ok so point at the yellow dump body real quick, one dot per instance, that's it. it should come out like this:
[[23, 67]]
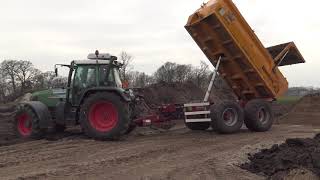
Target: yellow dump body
[[247, 66]]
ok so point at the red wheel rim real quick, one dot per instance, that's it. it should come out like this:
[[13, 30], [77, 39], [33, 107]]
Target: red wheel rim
[[103, 116], [24, 124]]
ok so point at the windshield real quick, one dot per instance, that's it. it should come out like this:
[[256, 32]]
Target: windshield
[[85, 77]]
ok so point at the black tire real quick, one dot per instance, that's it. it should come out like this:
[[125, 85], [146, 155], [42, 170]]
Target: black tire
[[34, 132], [258, 115], [131, 128], [120, 122], [227, 117], [59, 128], [198, 126]]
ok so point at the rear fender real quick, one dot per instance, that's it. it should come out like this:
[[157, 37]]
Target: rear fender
[[116, 91], [42, 112]]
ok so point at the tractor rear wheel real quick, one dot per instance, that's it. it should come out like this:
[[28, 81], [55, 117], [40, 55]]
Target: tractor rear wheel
[[26, 124], [258, 115], [104, 116], [198, 126], [227, 117]]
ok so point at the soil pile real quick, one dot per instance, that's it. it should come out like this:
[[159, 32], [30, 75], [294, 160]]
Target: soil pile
[[296, 174], [293, 154], [281, 109], [6, 127], [180, 93], [7, 112], [168, 93], [306, 111]]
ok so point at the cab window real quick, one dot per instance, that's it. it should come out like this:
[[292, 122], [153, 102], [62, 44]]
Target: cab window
[[105, 78], [85, 77]]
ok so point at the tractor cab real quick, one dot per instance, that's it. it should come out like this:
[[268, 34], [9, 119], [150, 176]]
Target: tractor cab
[[98, 71]]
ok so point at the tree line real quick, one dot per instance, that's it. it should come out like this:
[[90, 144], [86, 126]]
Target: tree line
[[169, 72], [18, 77]]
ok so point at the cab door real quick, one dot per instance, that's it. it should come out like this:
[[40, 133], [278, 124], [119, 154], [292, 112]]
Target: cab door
[[85, 78]]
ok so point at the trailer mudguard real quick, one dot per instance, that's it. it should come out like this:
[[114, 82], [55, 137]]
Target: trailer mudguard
[[41, 111]]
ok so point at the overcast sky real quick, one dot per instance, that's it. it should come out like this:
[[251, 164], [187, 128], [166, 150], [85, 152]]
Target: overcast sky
[[57, 31]]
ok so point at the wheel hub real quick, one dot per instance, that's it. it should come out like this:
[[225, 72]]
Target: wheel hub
[[230, 116], [24, 124], [103, 116], [263, 116]]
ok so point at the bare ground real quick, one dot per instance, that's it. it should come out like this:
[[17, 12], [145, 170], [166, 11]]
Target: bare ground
[[178, 154], [149, 154]]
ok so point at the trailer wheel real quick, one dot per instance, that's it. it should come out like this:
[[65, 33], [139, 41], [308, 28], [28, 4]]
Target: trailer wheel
[[227, 117], [104, 116], [258, 115], [198, 126], [26, 124]]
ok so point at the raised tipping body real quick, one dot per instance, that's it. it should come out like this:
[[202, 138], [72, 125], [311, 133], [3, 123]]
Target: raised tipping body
[[247, 66]]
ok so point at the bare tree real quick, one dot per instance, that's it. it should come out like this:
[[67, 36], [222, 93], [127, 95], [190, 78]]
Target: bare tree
[[139, 79], [9, 68], [44, 80], [201, 74], [166, 73], [25, 74], [183, 73], [126, 59], [3, 88]]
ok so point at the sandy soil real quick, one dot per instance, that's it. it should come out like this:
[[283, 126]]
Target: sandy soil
[[178, 154], [149, 154]]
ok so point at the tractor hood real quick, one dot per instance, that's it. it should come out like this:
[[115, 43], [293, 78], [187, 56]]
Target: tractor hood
[[49, 97]]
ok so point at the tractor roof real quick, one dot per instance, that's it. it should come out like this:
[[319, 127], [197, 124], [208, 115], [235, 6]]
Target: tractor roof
[[103, 59], [97, 62], [91, 62]]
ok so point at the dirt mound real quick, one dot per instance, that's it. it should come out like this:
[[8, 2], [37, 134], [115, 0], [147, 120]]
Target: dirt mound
[[306, 111], [281, 109], [6, 108], [180, 93], [7, 135], [293, 154], [7, 112], [167, 93], [295, 174]]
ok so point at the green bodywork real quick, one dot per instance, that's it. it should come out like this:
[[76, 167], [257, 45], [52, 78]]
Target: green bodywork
[[49, 97]]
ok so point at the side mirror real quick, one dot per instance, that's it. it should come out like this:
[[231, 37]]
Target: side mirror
[[56, 71]]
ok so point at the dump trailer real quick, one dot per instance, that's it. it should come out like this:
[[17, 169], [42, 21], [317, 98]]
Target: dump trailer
[[250, 69]]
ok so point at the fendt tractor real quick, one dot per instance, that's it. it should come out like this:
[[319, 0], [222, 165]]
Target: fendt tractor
[[95, 99]]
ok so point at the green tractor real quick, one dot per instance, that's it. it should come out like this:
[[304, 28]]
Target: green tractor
[[93, 98]]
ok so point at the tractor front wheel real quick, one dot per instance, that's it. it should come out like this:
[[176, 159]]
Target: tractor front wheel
[[26, 124], [104, 116]]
